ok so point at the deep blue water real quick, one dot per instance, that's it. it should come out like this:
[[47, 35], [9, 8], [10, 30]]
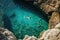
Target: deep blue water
[[23, 19]]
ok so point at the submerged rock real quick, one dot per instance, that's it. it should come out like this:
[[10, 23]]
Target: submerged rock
[[5, 34]]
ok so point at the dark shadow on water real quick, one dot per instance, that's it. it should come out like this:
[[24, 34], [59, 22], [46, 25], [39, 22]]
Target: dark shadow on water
[[7, 23]]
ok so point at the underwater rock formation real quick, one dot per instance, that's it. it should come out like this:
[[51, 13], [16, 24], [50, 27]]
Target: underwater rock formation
[[54, 20], [5, 34]]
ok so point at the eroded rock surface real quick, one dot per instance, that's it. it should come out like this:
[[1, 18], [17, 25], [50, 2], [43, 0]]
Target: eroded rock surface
[[6, 35], [30, 38], [51, 34], [50, 5], [54, 20]]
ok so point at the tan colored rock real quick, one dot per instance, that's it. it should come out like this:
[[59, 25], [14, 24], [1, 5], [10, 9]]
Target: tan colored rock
[[50, 5], [54, 20], [7, 35], [57, 26], [30, 38], [51, 34]]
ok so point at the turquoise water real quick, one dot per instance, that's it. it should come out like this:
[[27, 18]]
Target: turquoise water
[[27, 23], [24, 20]]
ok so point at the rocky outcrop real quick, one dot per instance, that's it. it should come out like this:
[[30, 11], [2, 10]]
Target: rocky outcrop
[[51, 34], [54, 20], [57, 26], [30, 38], [6, 35], [50, 5]]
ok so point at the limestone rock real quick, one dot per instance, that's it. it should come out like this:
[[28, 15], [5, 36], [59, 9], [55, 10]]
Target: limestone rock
[[57, 26], [6, 35], [54, 20], [30, 38], [51, 34], [50, 5]]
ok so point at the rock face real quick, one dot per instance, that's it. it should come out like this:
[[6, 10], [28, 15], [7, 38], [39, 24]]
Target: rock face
[[58, 26], [51, 5], [51, 34], [30, 38], [55, 19], [6, 35]]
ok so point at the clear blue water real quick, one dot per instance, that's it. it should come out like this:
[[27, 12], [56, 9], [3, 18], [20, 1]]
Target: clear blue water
[[22, 20]]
